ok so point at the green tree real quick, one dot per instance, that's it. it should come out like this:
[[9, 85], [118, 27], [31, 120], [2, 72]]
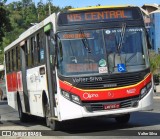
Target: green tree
[[66, 8], [30, 15], [5, 25], [154, 61], [41, 11], [26, 3], [19, 15]]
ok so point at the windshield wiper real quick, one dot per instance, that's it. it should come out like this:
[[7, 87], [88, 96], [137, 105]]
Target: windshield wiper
[[121, 41], [85, 41]]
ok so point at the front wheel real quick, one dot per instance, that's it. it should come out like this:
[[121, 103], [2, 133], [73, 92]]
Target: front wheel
[[53, 124], [123, 119]]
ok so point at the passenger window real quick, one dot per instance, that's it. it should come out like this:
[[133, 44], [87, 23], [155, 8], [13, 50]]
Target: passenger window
[[42, 46], [38, 48], [32, 50]]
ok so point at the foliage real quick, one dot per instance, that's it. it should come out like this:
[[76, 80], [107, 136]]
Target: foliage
[[154, 61], [4, 23], [17, 17]]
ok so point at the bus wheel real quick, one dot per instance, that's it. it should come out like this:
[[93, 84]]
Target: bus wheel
[[47, 114], [123, 119], [22, 116], [53, 124]]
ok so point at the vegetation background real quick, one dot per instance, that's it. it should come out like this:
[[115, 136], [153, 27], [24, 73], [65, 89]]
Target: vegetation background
[[17, 17]]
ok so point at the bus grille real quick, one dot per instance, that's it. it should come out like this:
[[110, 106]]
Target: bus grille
[[113, 81], [125, 103]]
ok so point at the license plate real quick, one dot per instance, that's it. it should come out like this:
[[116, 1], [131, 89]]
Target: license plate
[[111, 106]]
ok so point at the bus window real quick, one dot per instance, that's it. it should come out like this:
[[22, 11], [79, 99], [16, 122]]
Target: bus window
[[29, 62], [9, 65], [42, 46], [14, 60], [35, 51], [32, 50], [18, 57], [6, 61], [38, 48], [12, 64]]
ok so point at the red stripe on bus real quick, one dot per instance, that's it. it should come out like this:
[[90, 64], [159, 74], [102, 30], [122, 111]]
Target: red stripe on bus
[[14, 82], [106, 94]]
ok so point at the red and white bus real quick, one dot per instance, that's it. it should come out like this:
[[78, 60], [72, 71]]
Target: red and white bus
[[81, 63]]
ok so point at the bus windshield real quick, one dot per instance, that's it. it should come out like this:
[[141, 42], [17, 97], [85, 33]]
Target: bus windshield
[[100, 51]]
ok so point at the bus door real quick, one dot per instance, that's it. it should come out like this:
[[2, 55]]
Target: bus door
[[23, 50], [50, 54]]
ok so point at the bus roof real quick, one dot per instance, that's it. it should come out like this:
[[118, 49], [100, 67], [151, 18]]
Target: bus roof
[[100, 7], [31, 30]]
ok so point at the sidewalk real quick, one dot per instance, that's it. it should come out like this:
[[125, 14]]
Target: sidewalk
[[157, 93], [3, 102]]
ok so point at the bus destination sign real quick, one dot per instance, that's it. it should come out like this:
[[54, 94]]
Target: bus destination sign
[[97, 16], [100, 15]]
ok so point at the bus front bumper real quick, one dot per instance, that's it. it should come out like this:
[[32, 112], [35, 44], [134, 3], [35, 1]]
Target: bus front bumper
[[69, 110]]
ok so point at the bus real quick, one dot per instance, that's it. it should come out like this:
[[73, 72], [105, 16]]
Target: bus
[[84, 62], [3, 94]]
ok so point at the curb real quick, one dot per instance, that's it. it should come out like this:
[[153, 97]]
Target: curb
[[3, 102]]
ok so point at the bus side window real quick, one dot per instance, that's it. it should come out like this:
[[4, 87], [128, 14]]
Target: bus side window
[[42, 46], [32, 51], [35, 52], [29, 62], [26, 53], [12, 53], [18, 57], [38, 49], [14, 60], [11, 63], [6, 61]]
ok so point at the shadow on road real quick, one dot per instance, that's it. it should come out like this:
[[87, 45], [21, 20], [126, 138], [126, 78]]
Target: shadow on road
[[91, 125], [88, 125]]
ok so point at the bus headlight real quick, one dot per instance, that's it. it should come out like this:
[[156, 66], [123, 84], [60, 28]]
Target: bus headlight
[[146, 89], [65, 94], [75, 99], [72, 97]]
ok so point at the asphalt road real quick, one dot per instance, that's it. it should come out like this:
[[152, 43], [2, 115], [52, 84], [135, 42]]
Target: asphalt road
[[98, 126]]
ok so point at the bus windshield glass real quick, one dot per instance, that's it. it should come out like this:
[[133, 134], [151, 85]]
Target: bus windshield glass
[[101, 51]]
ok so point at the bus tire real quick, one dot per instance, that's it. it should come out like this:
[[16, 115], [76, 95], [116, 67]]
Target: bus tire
[[22, 116], [47, 114], [123, 119], [53, 124]]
